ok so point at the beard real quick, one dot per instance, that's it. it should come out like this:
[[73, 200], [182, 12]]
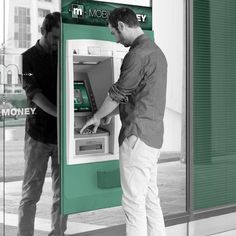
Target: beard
[[123, 41]]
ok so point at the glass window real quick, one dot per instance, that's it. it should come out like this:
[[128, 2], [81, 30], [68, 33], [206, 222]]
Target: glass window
[[27, 20], [16, 19], [214, 110], [43, 12], [20, 25], [16, 36], [9, 77], [25, 29], [22, 22]]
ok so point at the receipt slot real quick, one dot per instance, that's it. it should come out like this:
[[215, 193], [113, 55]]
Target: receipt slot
[[90, 64]]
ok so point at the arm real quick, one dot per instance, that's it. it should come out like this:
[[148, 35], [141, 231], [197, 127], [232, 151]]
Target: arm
[[107, 107], [114, 112], [42, 102], [32, 88], [107, 119], [129, 79]]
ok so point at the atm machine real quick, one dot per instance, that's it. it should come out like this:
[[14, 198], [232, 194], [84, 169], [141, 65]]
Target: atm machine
[[92, 67], [90, 64]]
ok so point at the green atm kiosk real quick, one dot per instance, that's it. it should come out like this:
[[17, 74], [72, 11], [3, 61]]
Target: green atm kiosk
[[90, 64]]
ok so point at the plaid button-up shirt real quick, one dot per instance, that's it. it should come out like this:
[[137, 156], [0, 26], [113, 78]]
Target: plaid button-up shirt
[[141, 92]]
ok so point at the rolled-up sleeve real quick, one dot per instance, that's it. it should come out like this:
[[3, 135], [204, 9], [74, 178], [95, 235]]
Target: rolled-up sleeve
[[130, 77], [30, 84]]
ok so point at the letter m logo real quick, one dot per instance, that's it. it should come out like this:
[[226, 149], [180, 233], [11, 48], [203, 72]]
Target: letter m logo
[[77, 10]]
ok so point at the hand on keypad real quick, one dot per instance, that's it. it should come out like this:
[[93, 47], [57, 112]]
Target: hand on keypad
[[87, 131], [94, 121]]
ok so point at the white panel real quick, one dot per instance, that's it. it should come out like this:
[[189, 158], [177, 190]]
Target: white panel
[[94, 51], [169, 31], [177, 230], [145, 3], [172, 134], [213, 225], [228, 233]]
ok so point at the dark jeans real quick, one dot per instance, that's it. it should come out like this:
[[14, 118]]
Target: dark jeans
[[36, 160]]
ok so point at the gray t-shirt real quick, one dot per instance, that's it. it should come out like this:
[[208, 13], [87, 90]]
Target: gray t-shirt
[[141, 92]]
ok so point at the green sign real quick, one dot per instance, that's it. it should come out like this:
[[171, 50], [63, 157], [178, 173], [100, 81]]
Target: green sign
[[96, 13], [77, 11]]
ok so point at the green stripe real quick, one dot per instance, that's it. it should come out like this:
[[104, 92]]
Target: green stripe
[[214, 109]]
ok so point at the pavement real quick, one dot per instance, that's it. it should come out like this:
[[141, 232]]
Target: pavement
[[171, 179], [172, 193]]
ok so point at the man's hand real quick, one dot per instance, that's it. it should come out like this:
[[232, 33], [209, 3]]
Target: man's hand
[[93, 121], [107, 107], [41, 101]]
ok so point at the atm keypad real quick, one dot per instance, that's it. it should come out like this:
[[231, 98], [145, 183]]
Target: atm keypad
[[87, 131]]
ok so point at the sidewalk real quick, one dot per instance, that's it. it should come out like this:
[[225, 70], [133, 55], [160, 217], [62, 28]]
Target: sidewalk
[[172, 191], [42, 222], [104, 222]]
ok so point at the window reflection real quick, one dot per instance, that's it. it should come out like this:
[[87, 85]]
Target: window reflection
[[214, 104], [24, 24], [22, 36]]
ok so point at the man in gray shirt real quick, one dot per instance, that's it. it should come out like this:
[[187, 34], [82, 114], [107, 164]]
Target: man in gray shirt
[[139, 97]]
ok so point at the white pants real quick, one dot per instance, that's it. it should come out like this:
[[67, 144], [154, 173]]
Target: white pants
[[140, 201]]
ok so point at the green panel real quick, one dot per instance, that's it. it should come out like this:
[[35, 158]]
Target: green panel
[[108, 179], [81, 191], [84, 187], [70, 31], [96, 13], [214, 110]]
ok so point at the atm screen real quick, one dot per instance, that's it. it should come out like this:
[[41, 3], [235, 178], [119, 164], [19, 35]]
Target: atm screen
[[81, 97]]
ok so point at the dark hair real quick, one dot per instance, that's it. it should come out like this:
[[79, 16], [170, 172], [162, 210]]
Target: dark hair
[[51, 20], [125, 15]]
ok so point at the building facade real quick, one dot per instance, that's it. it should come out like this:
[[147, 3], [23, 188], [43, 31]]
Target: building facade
[[20, 30]]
